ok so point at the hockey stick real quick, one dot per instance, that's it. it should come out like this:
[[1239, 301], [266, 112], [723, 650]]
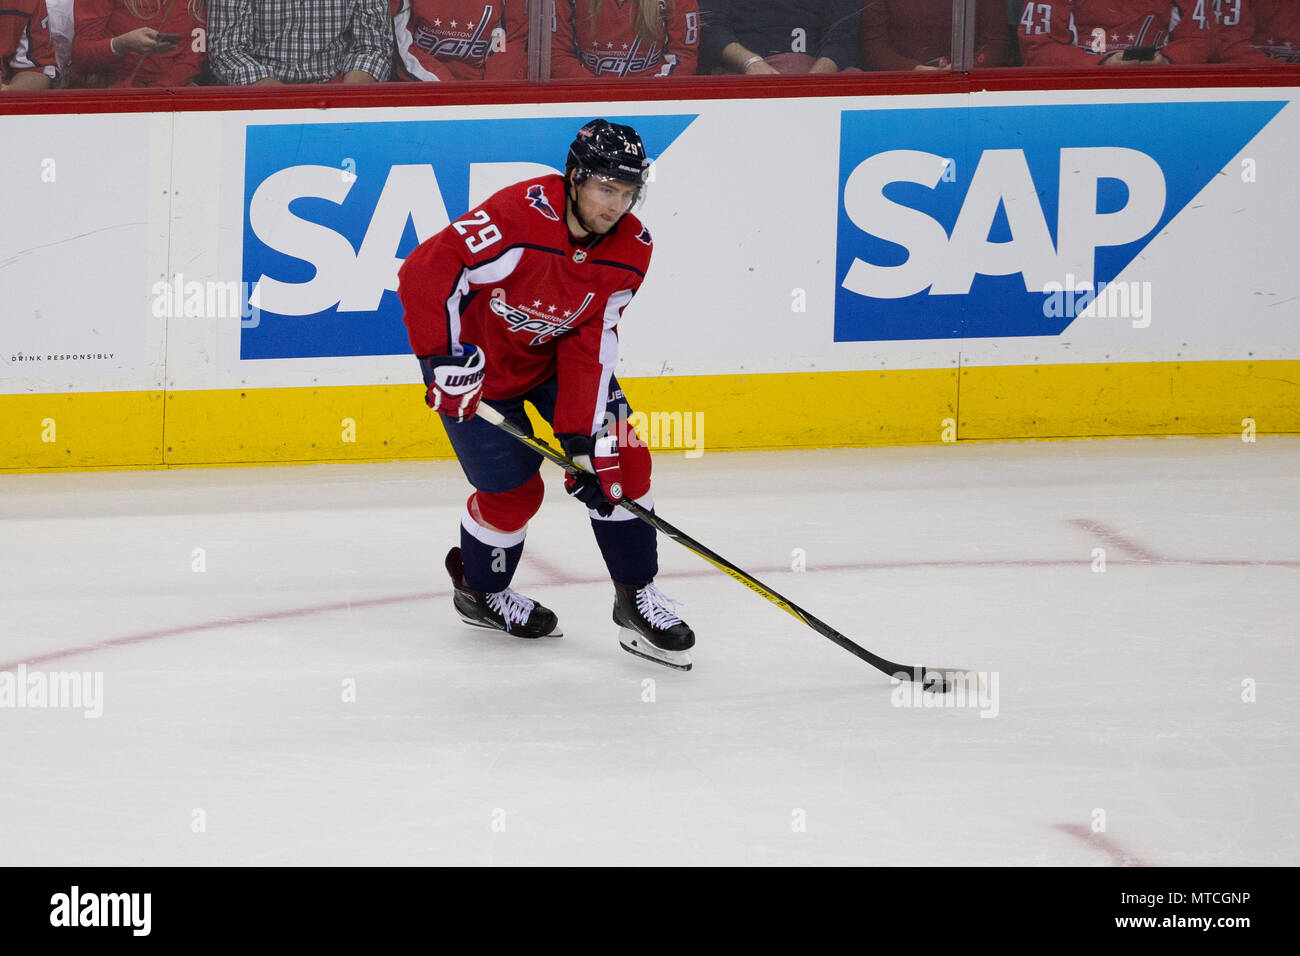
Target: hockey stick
[[935, 679]]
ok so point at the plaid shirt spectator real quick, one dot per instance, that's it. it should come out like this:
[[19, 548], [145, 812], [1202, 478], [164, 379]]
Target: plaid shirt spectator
[[298, 41]]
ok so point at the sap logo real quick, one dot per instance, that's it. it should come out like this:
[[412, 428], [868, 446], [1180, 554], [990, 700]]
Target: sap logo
[[962, 222], [943, 264], [353, 280], [331, 210]]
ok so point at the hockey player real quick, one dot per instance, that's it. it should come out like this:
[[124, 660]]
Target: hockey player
[[519, 300], [610, 39]]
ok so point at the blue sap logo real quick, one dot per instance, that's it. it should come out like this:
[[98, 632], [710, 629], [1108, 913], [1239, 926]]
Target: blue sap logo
[[331, 210], [956, 222]]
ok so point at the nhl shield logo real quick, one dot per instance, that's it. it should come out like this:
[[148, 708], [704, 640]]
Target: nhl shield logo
[[579, 255]]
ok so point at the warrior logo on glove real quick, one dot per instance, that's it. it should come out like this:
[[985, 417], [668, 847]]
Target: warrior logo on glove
[[455, 382]]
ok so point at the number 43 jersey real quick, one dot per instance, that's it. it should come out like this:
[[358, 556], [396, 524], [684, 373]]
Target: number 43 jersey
[[1079, 33], [509, 278]]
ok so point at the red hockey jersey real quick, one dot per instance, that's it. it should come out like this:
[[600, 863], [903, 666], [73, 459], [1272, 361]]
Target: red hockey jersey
[[25, 39], [607, 46], [1066, 33], [461, 39], [508, 278], [1277, 29], [95, 64]]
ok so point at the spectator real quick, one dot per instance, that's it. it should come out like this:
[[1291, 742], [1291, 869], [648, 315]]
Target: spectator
[[801, 36], [269, 42], [137, 42], [460, 39], [1080, 33], [1277, 29], [917, 34], [606, 39], [26, 50]]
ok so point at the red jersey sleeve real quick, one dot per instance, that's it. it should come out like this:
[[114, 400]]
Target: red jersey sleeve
[[435, 279], [683, 42], [91, 40]]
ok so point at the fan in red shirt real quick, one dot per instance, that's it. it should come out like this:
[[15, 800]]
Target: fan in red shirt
[[517, 301], [917, 34], [1277, 29], [1081, 33], [26, 51], [611, 39], [441, 40], [119, 43]]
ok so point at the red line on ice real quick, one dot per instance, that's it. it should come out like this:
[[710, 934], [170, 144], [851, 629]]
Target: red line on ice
[[1100, 841], [560, 579], [1115, 539], [216, 625]]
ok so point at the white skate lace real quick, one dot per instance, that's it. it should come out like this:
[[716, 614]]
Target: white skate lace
[[656, 607], [511, 605]]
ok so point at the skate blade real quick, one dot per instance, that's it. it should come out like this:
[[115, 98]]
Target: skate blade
[[558, 632], [634, 643]]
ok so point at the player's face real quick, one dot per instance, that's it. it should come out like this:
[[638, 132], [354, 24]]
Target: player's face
[[603, 202]]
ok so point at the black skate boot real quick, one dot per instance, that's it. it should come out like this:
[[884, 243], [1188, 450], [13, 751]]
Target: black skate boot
[[506, 610], [650, 629]]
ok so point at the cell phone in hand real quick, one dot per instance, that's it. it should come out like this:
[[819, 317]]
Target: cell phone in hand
[[1143, 53], [168, 38]]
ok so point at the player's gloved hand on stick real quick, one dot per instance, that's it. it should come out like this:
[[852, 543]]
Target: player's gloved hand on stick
[[603, 488], [455, 382]]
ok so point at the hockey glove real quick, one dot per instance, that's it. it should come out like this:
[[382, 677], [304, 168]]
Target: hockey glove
[[601, 489], [455, 382]]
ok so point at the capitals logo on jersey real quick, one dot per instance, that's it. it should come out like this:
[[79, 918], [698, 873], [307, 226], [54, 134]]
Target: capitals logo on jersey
[[644, 236], [537, 199], [548, 323], [474, 47]]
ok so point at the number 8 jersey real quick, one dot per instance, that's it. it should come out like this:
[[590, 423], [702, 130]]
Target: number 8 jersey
[[509, 278]]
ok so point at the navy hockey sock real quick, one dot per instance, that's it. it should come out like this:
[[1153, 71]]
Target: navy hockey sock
[[489, 567], [629, 547]]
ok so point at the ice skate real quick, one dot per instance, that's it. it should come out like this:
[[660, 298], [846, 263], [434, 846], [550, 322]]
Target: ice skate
[[506, 610], [650, 628]]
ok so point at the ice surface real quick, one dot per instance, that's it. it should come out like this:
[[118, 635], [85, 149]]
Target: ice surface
[[1119, 693]]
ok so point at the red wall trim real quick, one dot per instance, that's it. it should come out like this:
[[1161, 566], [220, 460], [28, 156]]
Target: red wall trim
[[337, 96]]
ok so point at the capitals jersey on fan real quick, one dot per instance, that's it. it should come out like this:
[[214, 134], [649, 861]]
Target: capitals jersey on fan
[[460, 39], [1068, 33], [508, 278], [607, 45], [25, 42], [1277, 29]]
